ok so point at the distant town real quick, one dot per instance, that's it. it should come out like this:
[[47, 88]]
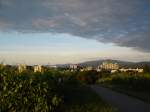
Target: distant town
[[106, 65]]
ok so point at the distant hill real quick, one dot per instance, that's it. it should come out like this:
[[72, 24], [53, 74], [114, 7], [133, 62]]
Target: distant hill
[[62, 65], [124, 64]]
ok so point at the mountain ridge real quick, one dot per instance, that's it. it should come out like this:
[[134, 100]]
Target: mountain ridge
[[122, 64]]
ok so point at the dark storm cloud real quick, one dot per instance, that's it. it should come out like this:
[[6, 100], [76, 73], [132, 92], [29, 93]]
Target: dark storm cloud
[[123, 22]]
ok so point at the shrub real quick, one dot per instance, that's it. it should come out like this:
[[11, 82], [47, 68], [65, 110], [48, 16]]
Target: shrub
[[36, 93], [87, 77]]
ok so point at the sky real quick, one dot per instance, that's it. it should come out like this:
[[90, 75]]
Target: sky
[[73, 31]]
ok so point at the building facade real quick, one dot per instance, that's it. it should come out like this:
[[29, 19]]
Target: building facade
[[73, 66], [22, 68], [109, 66], [133, 70], [38, 68]]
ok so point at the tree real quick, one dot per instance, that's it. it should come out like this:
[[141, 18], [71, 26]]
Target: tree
[[146, 69], [88, 77]]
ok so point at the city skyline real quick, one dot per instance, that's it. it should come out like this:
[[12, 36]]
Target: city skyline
[[69, 31]]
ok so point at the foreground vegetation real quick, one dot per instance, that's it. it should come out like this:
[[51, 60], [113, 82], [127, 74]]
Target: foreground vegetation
[[131, 83], [60, 90], [50, 91], [136, 85], [83, 99], [29, 93]]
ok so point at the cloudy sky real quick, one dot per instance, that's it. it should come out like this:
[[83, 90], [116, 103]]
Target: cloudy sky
[[71, 31]]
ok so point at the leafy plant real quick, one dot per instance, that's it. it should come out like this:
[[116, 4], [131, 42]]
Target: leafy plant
[[35, 93]]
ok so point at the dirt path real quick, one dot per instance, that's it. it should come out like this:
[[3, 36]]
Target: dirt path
[[123, 102]]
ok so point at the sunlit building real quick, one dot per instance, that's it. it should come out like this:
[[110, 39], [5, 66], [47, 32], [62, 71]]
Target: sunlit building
[[37, 68], [109, 66], [73, 66], [52, 66], [22, 67], [133, 70], [89, 68], [114, 71]]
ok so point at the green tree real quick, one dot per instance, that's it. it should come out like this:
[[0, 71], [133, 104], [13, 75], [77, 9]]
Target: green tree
[[146, 69]]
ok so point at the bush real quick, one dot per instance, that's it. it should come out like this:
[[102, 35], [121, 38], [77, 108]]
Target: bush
[[87, 77], [36, 93], [139, 82]]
